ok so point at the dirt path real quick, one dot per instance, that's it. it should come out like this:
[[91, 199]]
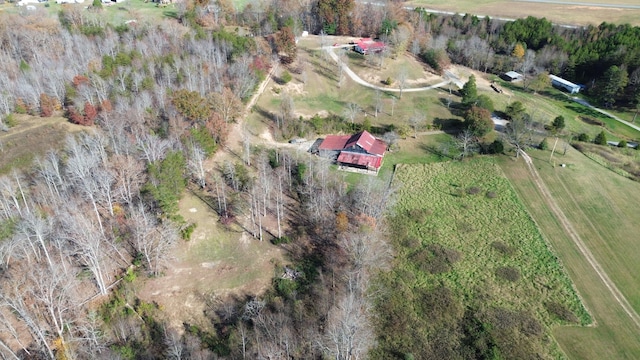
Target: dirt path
[[360, 81], [573, 234]]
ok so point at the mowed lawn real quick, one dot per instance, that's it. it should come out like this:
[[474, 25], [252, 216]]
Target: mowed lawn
[[603, 209], [320, 94]]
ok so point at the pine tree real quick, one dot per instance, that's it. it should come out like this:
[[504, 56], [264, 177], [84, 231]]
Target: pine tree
[[611, 83], [469, 91]]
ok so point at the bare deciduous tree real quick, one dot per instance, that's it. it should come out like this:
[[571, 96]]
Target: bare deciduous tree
[[351, 111], [151, 239], [466, 141]]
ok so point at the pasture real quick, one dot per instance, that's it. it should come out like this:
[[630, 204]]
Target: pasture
[[602, 207], [463, 226], [567, 13]]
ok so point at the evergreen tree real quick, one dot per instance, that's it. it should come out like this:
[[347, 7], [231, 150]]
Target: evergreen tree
[[167, 181], [611, 83], [469, 91], [601, 138]]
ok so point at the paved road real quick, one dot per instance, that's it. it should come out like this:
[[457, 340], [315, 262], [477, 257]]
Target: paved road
[[586, 103], [573, 235], [613, 6], [360, 81]]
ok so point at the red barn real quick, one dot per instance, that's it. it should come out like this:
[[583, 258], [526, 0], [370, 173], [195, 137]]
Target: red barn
[[360, 151]]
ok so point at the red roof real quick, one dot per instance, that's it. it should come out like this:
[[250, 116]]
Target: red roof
[[366, 141], [334, 142], [370, 44], [370, 161], [363, 139]]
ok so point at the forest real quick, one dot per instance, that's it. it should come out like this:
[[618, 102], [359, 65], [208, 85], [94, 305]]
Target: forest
[[157, 99]]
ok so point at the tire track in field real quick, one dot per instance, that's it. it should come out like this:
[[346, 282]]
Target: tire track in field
[[573, 234]]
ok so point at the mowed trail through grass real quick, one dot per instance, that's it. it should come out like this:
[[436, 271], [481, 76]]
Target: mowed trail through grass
[[602, 209]]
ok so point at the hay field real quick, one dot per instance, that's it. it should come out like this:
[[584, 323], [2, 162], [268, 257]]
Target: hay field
[[557, 13], [602, 207]]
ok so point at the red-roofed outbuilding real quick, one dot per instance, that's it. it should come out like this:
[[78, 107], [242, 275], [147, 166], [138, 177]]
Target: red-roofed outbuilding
[[361, 150], [368, 45]]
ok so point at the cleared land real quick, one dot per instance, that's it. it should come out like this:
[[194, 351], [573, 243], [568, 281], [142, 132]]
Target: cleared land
[[471, 209], [31, 137], [215, 264], [602, 208], [558, 13]]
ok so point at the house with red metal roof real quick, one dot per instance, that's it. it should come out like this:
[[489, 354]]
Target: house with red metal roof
[[368, 45], [359, 151]]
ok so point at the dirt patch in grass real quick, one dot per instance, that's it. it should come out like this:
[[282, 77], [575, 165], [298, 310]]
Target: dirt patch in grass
[[214, 265], [32, 136]]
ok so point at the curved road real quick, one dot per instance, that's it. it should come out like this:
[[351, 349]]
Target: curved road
[[359, 80]]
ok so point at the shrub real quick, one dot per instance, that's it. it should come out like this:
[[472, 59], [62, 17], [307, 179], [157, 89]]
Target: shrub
[[10, 121], [388, 81], [622, 144], [485, 102], [473, 190], [503, 248], [508, 273], [496, 147], [281, 240], [558, 123], [187, 231], [583, 137], [560, 311], [286, 77], [544, 144]]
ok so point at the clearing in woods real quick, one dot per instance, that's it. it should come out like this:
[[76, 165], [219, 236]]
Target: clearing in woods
[[32, 136], [601, 208], [215, 264]]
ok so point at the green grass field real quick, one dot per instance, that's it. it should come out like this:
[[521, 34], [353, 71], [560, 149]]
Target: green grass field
[[115, 14], [548, 104], [471, 209], [602, 207]]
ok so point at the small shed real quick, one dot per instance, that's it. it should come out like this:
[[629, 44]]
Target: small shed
[[567, 85], [512, 76]]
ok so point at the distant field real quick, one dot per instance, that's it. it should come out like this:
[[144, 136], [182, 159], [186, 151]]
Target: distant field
[[558, 13], [115, 14], [602, 207]]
